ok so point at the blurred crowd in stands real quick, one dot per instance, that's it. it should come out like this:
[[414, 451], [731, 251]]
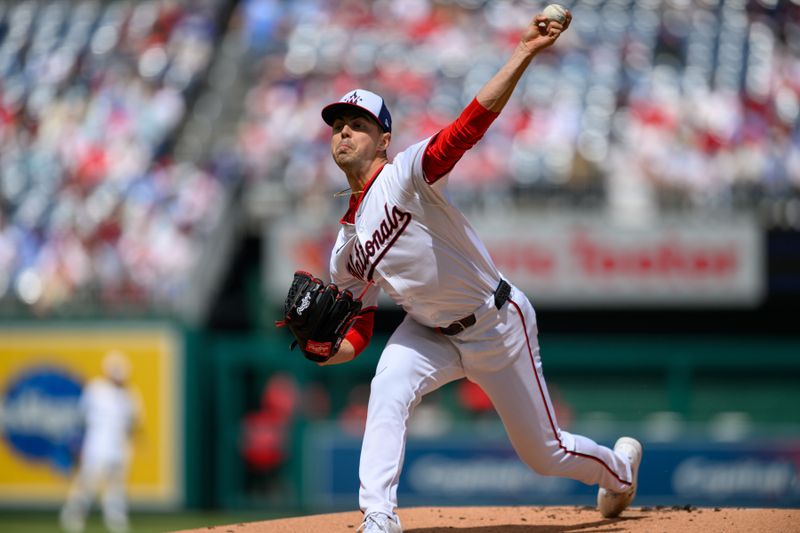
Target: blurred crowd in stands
[[644, 106], [91, 96]]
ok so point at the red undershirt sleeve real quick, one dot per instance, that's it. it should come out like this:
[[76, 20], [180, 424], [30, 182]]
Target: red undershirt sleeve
[[361, 332], [446, 147]]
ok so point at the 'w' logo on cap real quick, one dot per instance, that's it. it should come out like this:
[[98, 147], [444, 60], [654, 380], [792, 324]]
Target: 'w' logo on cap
[[353, 98]]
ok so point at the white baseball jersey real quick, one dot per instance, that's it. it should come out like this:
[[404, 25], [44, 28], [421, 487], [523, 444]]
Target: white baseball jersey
[[417, 247], [110, 413]]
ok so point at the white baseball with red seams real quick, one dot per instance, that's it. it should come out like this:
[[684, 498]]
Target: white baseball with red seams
[[414, 244], [555, 12]]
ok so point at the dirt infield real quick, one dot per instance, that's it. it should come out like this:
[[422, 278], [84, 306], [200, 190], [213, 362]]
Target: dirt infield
[[542, 520]]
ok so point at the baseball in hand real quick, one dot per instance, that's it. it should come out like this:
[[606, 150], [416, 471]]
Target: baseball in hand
[[555, 12]]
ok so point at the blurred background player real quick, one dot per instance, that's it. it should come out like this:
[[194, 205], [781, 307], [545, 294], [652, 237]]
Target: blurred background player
[[111, 412]]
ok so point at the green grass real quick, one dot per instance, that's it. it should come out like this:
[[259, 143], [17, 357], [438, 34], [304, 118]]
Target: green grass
[[47, 521]]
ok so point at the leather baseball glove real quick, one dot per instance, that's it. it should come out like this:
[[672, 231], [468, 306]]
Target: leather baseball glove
[[318, 316]]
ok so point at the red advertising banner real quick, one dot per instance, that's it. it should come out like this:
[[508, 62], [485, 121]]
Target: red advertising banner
[[577, 259], [573, 259]]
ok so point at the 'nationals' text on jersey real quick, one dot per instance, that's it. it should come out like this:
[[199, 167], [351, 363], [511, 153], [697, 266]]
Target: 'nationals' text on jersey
[[405, 237], [382, 239]]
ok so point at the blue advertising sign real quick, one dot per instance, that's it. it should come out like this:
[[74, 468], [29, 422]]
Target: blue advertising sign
[[466, 471], [40, 418]]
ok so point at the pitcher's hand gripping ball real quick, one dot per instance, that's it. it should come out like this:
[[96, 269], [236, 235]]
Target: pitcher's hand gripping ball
[[318, 316]]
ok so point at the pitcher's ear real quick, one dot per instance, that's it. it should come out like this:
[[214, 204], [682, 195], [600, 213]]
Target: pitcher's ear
[[386, 138]]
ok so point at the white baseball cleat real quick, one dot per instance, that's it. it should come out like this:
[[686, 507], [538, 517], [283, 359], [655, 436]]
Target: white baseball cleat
[[611, 503], [380, 523]]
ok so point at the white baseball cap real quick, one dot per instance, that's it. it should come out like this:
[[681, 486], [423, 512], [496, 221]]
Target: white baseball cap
[[361, 99]]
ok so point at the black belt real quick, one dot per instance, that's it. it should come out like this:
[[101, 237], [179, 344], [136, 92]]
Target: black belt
[[501, 294]]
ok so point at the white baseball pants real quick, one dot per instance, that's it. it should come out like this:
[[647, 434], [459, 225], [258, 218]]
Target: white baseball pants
[[501, 354], [93, 478]]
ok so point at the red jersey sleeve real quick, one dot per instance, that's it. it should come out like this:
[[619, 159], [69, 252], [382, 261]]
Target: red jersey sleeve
[[446, 147], [361, 332]]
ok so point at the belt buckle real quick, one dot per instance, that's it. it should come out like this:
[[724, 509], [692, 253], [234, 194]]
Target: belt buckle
[[457, 327]]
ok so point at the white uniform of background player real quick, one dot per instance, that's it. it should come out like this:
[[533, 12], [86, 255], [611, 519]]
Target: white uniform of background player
[[402, 235], [110, 412]]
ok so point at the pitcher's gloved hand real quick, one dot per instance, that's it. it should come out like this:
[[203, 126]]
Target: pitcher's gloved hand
[[318, 316]]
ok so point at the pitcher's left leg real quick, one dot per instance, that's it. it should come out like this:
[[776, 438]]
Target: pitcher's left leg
[[415, 362], [519, 394]]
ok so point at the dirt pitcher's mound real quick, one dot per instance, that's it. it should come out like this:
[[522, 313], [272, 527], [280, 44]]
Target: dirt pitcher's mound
[[542, 520]]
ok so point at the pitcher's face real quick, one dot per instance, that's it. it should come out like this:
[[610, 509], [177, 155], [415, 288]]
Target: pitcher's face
[[356, 139]]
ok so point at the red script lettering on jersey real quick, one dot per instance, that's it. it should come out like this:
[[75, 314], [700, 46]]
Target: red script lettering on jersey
[[390, 228]]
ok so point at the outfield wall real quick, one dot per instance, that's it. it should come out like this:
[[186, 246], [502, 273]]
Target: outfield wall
[[706, 406], [212, 437]]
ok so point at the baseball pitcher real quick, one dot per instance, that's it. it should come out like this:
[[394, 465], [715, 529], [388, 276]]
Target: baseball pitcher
[[402, 235]]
